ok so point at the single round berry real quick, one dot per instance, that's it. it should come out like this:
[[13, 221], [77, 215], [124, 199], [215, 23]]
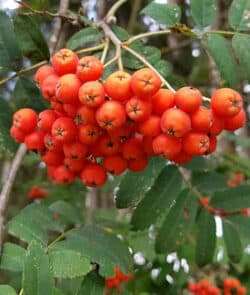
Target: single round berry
[[182, 158], [195, 144], [35, 141], [162, 100], [92, 94], [71, 109], [188, 99], [138, 110], [132, 149], [45, 120], [48, 87], [85, 116], [111, 115], [137, 165], [201, 120], [115, 164], [93, 175], [74, 165], [25, 119], [169, 146], [62, 175], [75, 150], [108, 146], [17, 134], [89, 68], [175, 122], [226, 102], [217, 126], [235, 122], [64, 61], [42, 73], [52, 158], [145, 83], [117, 86], [88, 134], [64, 130], [67, 89], [150, 127], [51, 143]]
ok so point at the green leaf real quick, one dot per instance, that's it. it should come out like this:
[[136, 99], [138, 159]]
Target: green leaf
[[5, 125], [10, 53], [159, 199], [241, 222], [83, 37], [66, 210], [42, 216], [27, 95], [37, 276], [204, 12], [30, 38], [120, 33], [68, 264], [239, 15], [232, 242], [233, 199], [209, 182], [133, 185], [7, 290], [165, 14], [241, 46], [92, 284], [198, 164], [12, 257], [100, 247], [26, 230], [219, 49], [163, 67], [206, 238], [178, 223]]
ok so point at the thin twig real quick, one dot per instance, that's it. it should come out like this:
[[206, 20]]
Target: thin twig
[[105, 51], [5, 194], [112, 60], [146, 35], [115, 7], [146, 63]]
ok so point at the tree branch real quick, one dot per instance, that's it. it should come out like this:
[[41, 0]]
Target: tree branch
[[5, 194]]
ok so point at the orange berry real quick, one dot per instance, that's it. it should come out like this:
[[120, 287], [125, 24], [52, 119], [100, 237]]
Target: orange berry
[[42, 73], [108, 146], [137, 165], [117, 86], [182, 158], [217, 126], [92, 94], [45, 120], [70, 109], [212, 145], [188, 99], [74, 165], [162, 100], [64, 61], [115, 164], [52, 158], [48, 87], [167, 145], [235, 122], [195, 144], [147, 143], [67, 89], [64, 129], [132, 149], [75, 150], [226, 102], [63, 176], [145, 83], [35, 141], [89, 68], [201, 119], [93, 175], [25, 119], [175, 122], [85, 116], [151, 126], [51, 143], [111, 115], [88, 134], [138, 110], [17, 134]]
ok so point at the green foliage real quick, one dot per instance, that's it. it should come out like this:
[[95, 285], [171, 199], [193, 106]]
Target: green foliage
[[159, 199], [30, 38], [10, 53], [7, 290], [178, 223], [92, 284], [241, 46], [129, 195], [233, 199], [12, 257], [239, 15], [68, 264], [204, 12], [208, 182], [206, 238], [219, 48], [83, 37], [37, 275], [165, 14]]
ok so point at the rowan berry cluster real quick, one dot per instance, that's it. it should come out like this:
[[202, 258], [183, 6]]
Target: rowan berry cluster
[[231, 286], [97, 126], [117, 280]]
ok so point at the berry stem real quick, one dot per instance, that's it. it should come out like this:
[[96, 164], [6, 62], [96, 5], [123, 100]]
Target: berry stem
[[144, 61], [115, 7], [105, 51], [145, 35], [112, 60], [5, 193]]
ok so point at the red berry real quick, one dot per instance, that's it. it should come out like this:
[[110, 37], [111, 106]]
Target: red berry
[[89, 68], [64, 61], [195, 144], [93, 175], [162, 100], [92, 94], [188, 99], [25, 120], [64, 130]]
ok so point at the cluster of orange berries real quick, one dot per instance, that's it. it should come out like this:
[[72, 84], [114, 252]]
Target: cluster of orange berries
[[231, 286], [96, 126], [118, 279]]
